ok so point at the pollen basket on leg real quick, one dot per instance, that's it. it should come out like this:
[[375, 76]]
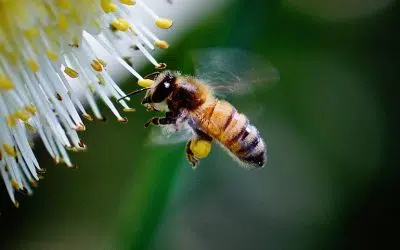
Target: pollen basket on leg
[[50, 72]]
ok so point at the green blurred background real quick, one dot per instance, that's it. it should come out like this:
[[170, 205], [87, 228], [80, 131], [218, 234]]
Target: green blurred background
[[331, 176]]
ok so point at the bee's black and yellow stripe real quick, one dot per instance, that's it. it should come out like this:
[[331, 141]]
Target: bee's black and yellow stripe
[[224, 123]]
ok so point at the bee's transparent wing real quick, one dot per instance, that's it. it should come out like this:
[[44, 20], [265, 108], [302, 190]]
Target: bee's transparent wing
[[232, 71], [164, 135]]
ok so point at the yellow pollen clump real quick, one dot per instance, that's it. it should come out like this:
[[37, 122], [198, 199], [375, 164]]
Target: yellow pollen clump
[[122, 120], [22, 115], [31, 32], [11, 121], [107, 6], [145, 83], [30, 128], [161, 66], [97, 66], [162, 44], [31, 109], [62, 22], [128, 2], [200, 148], [102, 62], [71, 72], [88, 117], [33, 65], [11, 56], [91, 88], [33, 183], [10, 150], [15, 184], [76, 41], [74, 15], [5, 83], [65, 4], [51, 55], [129, 110], [120, 24], [164, 23], [101, 79]]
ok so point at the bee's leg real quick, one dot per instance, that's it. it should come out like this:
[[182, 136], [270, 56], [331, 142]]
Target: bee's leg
[[190, 155], [182, 116], [170, 118], [202, 136], [198, 147], [170, 114], [160, 121]]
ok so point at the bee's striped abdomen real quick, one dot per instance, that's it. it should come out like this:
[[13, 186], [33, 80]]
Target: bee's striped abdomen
[[251, 148], [235, 132]]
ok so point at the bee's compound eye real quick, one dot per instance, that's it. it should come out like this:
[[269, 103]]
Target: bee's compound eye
[[163, 89], [200, 148]]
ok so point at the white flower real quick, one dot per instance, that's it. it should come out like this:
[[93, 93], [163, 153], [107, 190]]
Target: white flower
[[47, 61]]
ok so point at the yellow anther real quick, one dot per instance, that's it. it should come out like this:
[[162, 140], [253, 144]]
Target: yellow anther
[[96, 23], [15, 184], [108, 6], [120, 24], [161, 66], [76, 41], [73, 149], [102, 62], [64, 4], [31, 32], [5, 83], [112, 7], [75, 16], [51, 55], [62, 22], [129, 110], [122, 120], [97, 66], [22, 115], [12, 57], [128, 2], [92, 88], [30, 128], [10, 150], [200, 148], [11, 121], [71, 72], [33, 183], [31, 109], [88, 117], [33, 65], [145, 83], [80, 127], [56, 160], [162, 44], [164, 23], [101, 79]]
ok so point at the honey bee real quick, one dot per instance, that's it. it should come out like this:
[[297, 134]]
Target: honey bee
[[194, 108]]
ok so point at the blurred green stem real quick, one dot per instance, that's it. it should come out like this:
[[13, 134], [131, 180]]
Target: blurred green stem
[[150, 194]]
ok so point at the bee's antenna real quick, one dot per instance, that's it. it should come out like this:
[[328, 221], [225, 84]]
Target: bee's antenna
[[133, 93], [152, 75]]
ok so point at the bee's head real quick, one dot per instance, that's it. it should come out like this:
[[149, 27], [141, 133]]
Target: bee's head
[[162, 87]]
